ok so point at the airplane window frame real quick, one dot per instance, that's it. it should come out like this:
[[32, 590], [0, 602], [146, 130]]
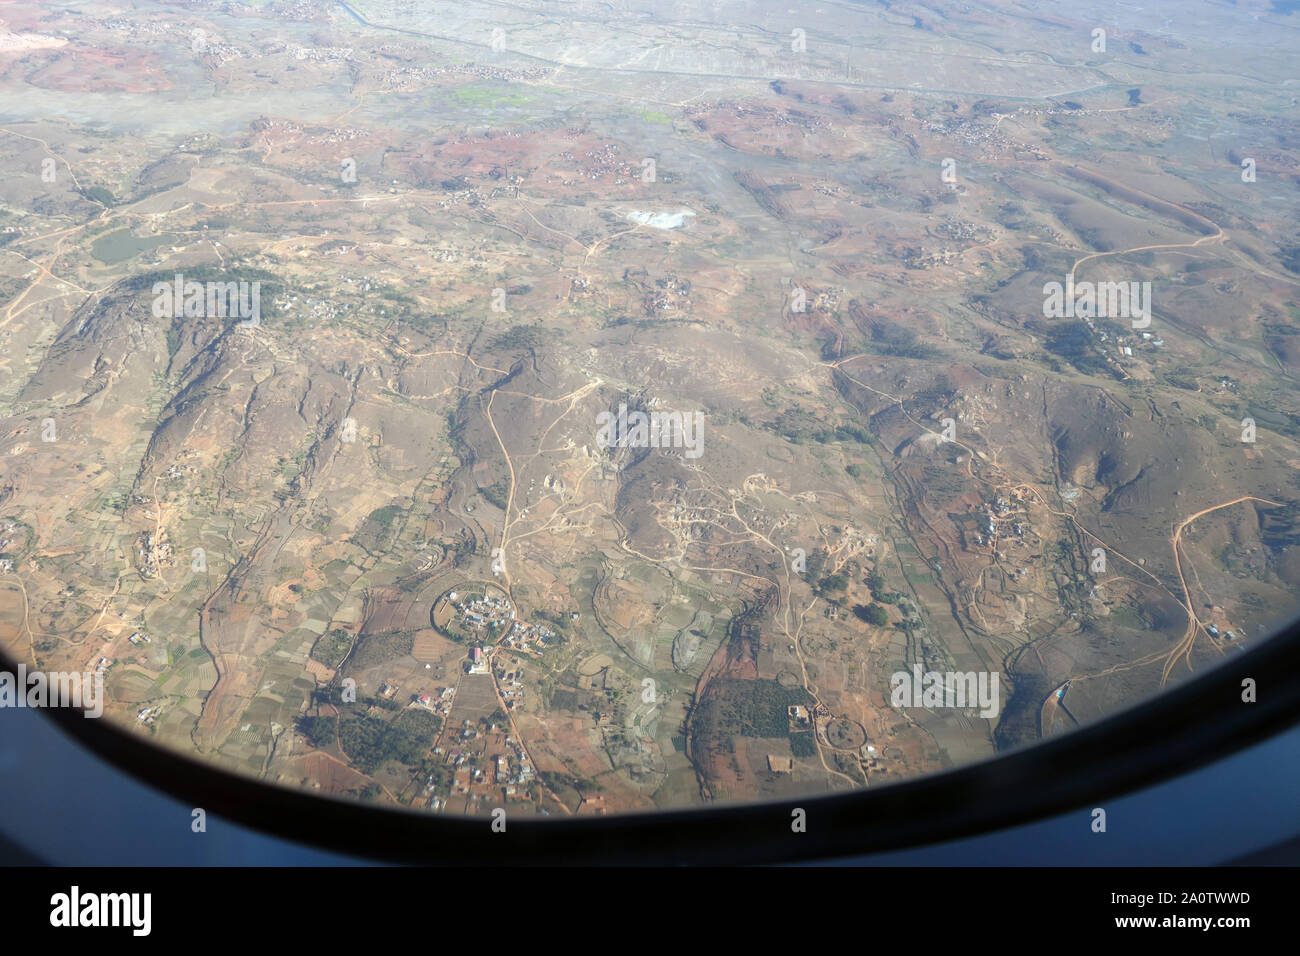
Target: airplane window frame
[[1177, 730]]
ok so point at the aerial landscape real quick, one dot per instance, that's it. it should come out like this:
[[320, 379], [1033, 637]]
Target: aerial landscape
[[606, 407]]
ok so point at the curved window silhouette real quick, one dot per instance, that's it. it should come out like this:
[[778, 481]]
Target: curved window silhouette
[[505, 413]]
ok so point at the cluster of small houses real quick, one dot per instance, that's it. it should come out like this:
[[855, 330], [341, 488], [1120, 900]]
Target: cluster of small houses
[[977, 131], [524, 636], [1122, 341], [484, 612], [999, 510], [439, 705], [1226, 385], [510, 771], [5, 563], [413, 78], [318, 309], [604, 162], [512, 689], [153, 552]]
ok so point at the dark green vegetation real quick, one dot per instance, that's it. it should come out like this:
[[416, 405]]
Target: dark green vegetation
[[832, 584], [803, 745], [800, 427], [381, 527], [873, 614], [523, 338], [100, 195], [752, 708], [321, 731], [497, 493], [331, 647], [379, 648], [371, 741]]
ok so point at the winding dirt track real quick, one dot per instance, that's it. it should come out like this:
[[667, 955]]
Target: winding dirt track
[[1183, 649]]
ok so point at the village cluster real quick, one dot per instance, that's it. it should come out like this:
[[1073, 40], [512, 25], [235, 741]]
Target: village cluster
[[6, 539], [477, 775], [154, 552]]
